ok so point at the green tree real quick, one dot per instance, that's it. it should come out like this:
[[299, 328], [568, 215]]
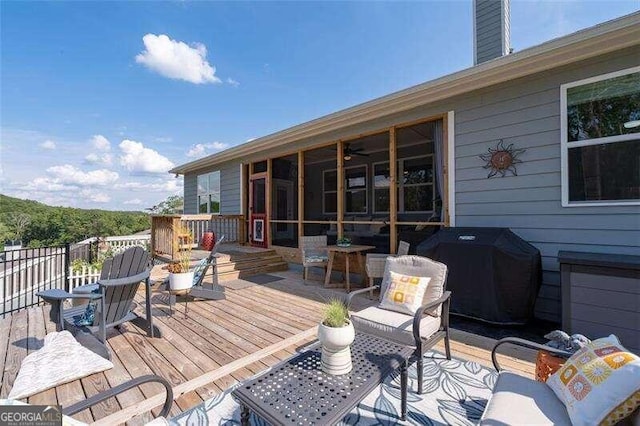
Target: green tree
[[174, 204]]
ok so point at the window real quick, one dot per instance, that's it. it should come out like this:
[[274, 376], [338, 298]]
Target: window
[[355, 190], [415, 185], [600, 137], [209, 193]]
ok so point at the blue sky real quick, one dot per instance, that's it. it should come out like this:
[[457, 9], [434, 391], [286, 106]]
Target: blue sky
[[99, 100]]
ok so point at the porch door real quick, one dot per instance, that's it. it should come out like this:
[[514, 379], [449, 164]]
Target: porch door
[[282, 201], [258, 220]]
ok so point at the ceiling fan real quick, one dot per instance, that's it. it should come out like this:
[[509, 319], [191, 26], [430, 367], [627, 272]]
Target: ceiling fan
[[350, 152]]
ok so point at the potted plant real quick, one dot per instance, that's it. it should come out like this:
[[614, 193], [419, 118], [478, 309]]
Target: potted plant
[[180, 275], [344, 242], [336, 334]]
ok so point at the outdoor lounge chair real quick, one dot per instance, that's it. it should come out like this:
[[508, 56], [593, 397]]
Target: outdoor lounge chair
[[430, 323], [314, 253], [199, 289], [112, 296], [517, 399], [121, 388]]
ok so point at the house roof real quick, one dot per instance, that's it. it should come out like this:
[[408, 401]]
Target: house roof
[[597, 40]]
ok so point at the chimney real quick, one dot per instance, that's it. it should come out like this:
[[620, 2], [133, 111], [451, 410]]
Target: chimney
[[491, 30]]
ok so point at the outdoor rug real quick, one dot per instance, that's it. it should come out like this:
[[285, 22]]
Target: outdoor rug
[[455, 392]]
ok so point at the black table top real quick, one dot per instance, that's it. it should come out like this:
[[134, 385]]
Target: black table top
[[296, 391]]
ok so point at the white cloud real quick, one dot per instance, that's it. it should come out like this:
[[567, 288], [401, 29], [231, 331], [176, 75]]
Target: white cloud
[[96, 197], [101, 143], [133, 202], [104, 159], [233, 82], [177, 60], [200, 149], [137, 158], [170, 185], [48, 144], [70, 175]]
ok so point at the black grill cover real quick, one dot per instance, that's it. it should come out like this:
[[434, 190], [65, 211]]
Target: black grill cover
[[494, 275]]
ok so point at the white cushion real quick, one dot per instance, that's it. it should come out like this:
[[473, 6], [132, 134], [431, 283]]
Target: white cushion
[[404, 293], [393, 325], [596, 380], [517, 400]]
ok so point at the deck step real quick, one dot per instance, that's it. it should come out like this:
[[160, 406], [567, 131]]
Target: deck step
[[236, 263]]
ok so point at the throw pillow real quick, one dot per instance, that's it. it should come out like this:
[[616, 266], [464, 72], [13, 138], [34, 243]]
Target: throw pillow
[[600, 380], [404, 293], [199, 269], [88, 316]]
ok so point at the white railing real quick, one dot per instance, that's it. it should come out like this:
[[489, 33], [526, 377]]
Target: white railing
[[85, 274], [25, 272]]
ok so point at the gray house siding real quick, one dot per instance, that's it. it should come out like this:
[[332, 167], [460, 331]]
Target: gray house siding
[[525, 112], [489, 18], [230, 189]]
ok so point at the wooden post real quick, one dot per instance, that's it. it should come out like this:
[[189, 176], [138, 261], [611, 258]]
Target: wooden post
[[267, 194], [393, 191], [445, 170], [154, 224], [300, 194], [340, 194], [175, 243]]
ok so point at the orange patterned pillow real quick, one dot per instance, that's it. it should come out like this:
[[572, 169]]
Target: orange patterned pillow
[[404, 293], [599, 384]]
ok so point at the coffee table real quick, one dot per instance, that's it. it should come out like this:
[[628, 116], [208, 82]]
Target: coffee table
[[296, 391]]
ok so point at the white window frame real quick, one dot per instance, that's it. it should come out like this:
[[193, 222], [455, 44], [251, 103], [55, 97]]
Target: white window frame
[[365, 189], [565, 145], [401, 186], [209, 193]]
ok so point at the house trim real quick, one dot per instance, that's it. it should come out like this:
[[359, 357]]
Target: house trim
[[565, 145], [451, 167]]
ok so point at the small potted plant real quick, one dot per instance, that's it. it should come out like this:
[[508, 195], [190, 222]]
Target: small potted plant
[[180, 275], [336, 334], [344, 242]]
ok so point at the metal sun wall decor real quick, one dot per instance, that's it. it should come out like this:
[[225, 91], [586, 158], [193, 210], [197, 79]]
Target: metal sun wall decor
[[502, 160]]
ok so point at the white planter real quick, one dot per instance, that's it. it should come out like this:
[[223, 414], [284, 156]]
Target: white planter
[[336, 348], [181, 281]]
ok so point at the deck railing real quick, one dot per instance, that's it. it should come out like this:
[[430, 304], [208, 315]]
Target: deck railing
[[164, 241], [25, 272]]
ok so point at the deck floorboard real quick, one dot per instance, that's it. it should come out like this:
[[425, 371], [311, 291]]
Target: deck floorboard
[[262, 324]]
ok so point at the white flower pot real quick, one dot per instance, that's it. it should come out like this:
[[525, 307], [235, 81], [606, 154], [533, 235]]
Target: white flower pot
[[336, 348], [181, 281]]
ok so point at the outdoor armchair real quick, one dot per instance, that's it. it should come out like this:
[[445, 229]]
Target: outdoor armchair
[[518, 400], [117, 390], [110, 302], [375, 262], [427, 326], [314, 253]]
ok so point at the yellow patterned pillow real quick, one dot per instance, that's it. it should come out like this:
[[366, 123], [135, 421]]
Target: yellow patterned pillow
[[404, 293], [599, 384]]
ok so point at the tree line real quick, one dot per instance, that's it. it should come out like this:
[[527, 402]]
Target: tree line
[[40, 225]]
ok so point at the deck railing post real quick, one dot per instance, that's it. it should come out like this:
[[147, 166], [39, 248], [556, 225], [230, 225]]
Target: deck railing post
[[67, 249]]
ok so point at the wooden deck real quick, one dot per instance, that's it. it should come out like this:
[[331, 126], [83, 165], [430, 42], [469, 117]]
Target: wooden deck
[[216, 344]]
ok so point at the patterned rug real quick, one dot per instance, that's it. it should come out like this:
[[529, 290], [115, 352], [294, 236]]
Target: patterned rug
[[455, 393]]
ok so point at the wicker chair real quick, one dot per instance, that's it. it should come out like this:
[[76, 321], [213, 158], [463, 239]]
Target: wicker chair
[[427, 326], [374, 264], [314, 253]]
